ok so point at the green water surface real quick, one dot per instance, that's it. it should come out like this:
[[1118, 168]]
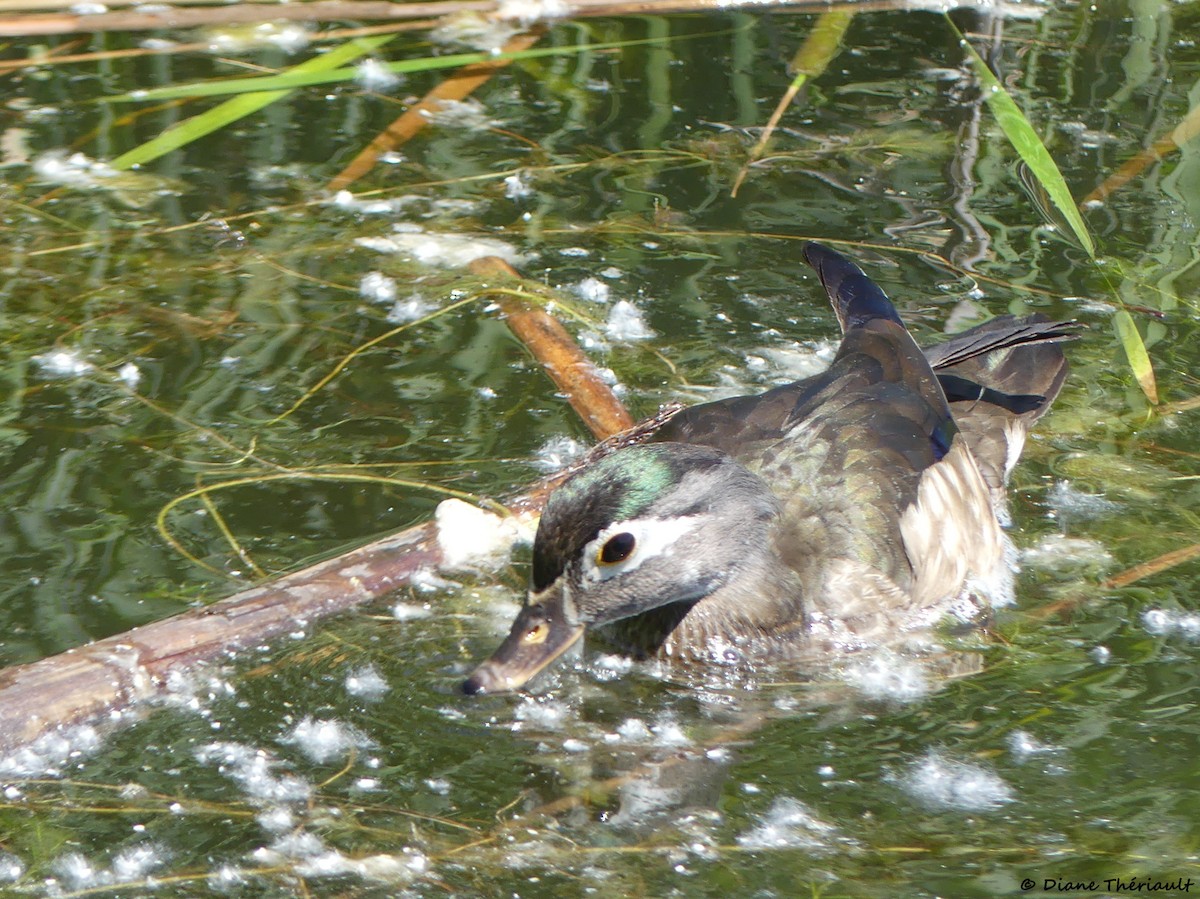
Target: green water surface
[[155, 327]]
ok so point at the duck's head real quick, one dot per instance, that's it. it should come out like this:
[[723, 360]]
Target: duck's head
[[646, 527]]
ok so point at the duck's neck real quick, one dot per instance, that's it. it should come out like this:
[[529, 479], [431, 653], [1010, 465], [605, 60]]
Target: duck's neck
[[761, 605]]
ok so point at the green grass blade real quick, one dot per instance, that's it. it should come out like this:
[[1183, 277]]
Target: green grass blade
[[230, 111], [1135, 352], [299, 77], [1028, 145]]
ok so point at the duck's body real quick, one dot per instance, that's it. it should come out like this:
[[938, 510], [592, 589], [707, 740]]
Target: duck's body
[[833, 513]]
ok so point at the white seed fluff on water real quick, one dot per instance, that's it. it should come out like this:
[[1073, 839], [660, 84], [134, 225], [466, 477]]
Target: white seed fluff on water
[[76, 170], [626, 323], [633, 730], [226, 879], [62, 364], [375, 76], [51, 753], [542, 714], [1166, 622], [940, 782], [466, 115], [402, 311], [558, 452], [470, 537], [788, 824], [347, 202], [796, 361], [529, 11], [517, 188], [276, 820], [11, 867], [253, 770], [1022, 745], [129, 375], [670, 734], [1071, 504], [440, 249], [366, 683], [1057, 551], [594, 290], [426, 580], [886, 675], [377, 287], [135, 862], [325, 739], [473, 30]]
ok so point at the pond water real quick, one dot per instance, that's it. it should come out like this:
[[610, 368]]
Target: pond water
[[157, 325]]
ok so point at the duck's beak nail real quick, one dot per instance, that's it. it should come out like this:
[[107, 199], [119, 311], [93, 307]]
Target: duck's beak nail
[[482, 681], [539, 636]]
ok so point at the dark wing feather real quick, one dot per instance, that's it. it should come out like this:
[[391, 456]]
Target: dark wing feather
[[1000, 377]]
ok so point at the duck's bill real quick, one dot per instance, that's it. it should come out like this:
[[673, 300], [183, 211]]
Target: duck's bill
[[540, 635]]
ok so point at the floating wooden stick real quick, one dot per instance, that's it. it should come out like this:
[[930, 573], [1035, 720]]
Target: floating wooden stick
[[458, 86], [562, 358]]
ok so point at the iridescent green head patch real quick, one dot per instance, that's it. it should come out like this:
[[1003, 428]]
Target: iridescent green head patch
[[617, 488]]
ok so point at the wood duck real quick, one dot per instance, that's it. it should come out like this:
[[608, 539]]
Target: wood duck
[[833, 514]]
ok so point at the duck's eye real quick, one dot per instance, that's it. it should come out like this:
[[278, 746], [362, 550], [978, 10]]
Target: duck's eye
[[537, 633], [617, 548]]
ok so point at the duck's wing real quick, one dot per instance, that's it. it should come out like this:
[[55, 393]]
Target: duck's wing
[[999, 378], [866, 457]]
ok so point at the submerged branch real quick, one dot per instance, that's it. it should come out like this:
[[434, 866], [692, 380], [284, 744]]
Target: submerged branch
[[110, 676]]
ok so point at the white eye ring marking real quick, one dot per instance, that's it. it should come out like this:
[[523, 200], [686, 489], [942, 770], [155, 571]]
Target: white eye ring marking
[[652, 537]]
